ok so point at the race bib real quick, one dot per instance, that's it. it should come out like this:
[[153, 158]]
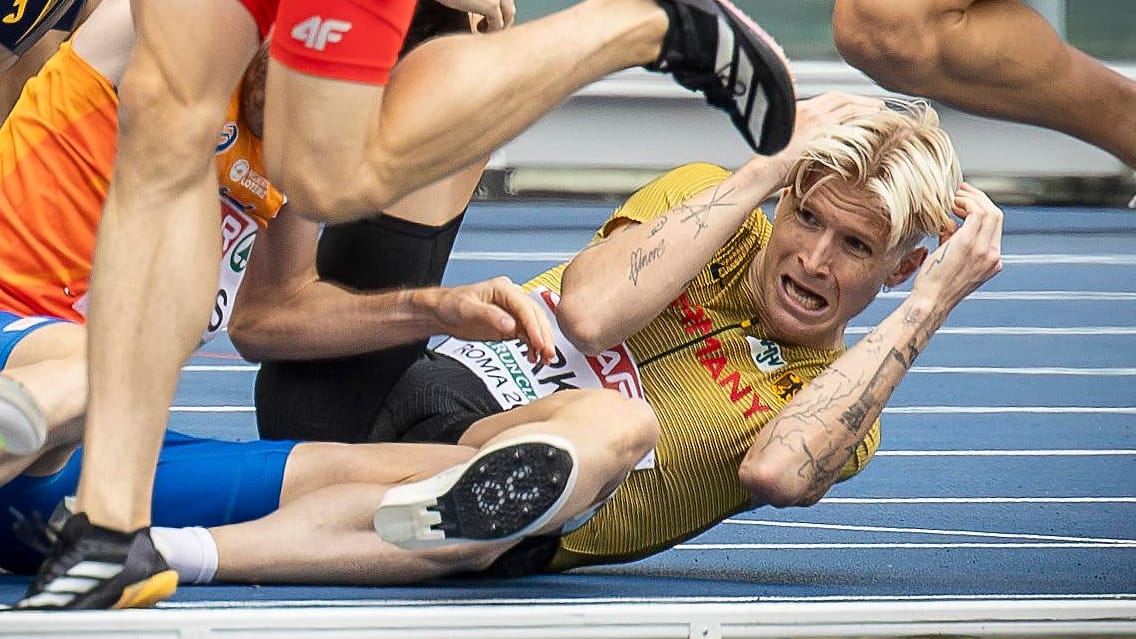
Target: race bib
[[238, 230], [513, 381]]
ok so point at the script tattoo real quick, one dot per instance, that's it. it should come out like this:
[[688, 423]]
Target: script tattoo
[[641, 259], [659, 224], [700, 214]]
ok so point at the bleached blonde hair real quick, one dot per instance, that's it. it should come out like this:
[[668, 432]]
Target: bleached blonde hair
[[900, 155]]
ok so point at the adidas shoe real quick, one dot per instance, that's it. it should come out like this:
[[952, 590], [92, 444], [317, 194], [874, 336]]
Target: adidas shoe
[[95, 568], [714, 48], [23, 427], [506, 492]]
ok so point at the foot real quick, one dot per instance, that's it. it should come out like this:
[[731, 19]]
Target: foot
[[95, 568], [714, 48], [506, 492], [23, 427]]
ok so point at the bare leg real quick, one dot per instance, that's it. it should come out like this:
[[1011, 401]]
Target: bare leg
[[326, 535], [155, 266], [997, 58], [449, 102], [51, 365]]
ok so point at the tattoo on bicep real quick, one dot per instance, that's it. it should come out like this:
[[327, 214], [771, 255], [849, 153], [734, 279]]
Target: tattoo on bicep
[[700, 214], [641, 259], [659, 224]]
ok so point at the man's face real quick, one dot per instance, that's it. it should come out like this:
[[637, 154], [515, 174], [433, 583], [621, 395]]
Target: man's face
[[826, 260]]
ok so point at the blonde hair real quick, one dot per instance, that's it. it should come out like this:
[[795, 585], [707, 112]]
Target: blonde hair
[[901, 156]]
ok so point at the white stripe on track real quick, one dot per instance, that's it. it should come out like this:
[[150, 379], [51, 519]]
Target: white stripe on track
[[898, 410], [1022, 258], [926, 370], [977, 500], [899, 546], [1034, 296], [1058, 452], [924, 531]]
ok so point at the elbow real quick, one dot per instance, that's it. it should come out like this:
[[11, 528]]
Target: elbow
[[583, 326], [774, 483], [246, 332]]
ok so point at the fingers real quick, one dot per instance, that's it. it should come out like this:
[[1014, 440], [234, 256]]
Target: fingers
[[532, 324]]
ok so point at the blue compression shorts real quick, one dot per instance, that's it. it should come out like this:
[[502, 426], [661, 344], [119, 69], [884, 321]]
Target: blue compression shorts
[[200, 482], [14, 328]]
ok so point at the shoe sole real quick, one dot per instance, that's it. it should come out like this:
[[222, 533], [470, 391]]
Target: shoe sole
[[149, 591], [504, 493], [23, 427], [781, 106]]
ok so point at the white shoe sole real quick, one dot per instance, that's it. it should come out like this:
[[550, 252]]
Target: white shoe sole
[[506, 492], [23, 427]]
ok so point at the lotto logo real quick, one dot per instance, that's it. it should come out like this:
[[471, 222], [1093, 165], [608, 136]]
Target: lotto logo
[[316, 32]]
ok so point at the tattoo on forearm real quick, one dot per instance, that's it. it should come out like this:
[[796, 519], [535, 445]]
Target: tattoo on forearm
[[700, 214], [641, 259]]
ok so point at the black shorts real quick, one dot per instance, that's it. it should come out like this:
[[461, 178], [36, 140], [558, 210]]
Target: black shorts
[[342, 399]]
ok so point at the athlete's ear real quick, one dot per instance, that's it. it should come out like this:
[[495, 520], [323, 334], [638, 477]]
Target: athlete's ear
[[784, 199], [907, 266]]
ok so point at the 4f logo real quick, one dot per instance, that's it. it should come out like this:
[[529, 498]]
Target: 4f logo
[[316, 32]]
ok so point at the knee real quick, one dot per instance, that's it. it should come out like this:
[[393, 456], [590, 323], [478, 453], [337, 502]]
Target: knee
[[172, 133], [633, 427], [892, 42]]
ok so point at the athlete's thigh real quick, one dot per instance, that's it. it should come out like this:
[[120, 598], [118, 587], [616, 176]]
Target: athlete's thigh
[[197, 48], [27, 340], [208, 482]]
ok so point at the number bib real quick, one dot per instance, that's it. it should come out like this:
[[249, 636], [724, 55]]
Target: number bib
[[513, 381]]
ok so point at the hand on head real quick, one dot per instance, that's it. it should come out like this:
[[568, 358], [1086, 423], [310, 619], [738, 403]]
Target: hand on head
[[817, 114], [967, 257]]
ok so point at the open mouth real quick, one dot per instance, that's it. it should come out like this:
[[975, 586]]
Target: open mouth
[[805, 298]]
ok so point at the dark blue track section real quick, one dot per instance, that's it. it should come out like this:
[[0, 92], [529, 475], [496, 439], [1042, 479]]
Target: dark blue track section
[[935, 514]]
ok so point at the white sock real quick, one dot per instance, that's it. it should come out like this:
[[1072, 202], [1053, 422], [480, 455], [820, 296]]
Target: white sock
[[190, 551]]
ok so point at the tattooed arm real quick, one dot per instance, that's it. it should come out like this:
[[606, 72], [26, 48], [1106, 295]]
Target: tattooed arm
[[615, 287], [800, 452]]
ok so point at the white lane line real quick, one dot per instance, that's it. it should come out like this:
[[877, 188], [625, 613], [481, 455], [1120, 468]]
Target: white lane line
[[1034, 296], [1017, 258], [928, 370], [986, 410], [897, 410], [1024, 370], [900, 546], [977, 500], [924, 531], [1018, 330], [1057, 452], [212, 409], [623, 600], [387, 602]]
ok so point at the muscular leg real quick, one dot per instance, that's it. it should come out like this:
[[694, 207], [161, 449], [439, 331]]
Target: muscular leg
[[448, 103], [51, 365], [155, 266], [997, 58], [326, 536]]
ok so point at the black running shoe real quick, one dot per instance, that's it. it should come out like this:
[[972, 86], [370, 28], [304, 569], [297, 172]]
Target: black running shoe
[[714, 48], [95, 568], [506, 492]]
